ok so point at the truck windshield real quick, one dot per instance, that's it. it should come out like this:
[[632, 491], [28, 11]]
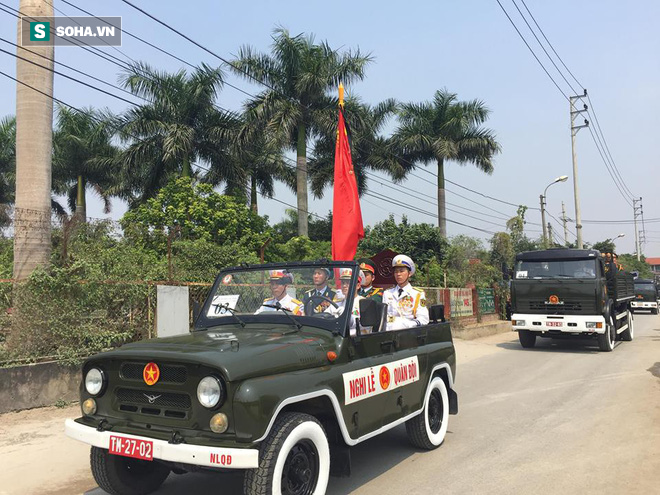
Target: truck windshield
[[644, 286], [580, 269]]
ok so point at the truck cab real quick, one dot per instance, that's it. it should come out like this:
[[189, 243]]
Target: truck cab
[[570, 293], [646, 295]]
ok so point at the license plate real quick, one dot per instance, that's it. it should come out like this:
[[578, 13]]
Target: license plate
[[132, 447], [555, 324]]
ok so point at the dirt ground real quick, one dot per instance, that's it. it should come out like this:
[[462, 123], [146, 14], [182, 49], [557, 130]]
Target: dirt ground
[[36, 456]]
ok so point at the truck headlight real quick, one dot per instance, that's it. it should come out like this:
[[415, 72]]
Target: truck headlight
[[94, 381], [210, 392], [518, 323], [594, 324]]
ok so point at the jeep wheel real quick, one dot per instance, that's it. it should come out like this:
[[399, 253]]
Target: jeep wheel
[[654, 311], [606, 340], [527, 338], [428, 429], [294, 459], [119, 475], [628, 334]]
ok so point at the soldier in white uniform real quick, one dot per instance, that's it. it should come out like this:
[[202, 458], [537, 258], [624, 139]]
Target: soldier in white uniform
[[406, 306], [345, 279], [279, 280]]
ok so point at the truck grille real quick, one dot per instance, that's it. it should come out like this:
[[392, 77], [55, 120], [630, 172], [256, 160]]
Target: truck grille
[[168, 373], [567, 306], [560, 309]]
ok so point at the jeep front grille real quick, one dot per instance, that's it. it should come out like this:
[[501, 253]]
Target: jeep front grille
[[153, 398], [168, 373]]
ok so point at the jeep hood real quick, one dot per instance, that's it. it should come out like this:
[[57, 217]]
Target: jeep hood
[[239, 353]]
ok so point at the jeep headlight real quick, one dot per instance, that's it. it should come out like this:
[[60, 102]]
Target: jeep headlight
[[518, 323], [94, 381], [210, 392]]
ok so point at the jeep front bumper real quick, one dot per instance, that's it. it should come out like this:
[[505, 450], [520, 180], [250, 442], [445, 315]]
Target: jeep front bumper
[[643, 305], [199, 455], [559, 323]]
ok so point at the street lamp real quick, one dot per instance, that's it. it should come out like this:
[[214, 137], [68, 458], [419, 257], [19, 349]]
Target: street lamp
[[614, 238], [561, 178]]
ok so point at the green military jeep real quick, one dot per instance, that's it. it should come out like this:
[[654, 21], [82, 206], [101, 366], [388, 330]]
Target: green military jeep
[[274, 379]]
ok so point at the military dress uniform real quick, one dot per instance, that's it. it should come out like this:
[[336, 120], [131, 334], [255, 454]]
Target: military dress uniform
[[327, 292], [406, 307], [375, 293], [287, 302]]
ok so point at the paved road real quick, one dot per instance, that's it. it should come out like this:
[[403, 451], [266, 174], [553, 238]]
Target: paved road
[[560, 418]]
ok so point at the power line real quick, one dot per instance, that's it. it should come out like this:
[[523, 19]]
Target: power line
[[592, 110], [124, 31], [162, 23], [531, 51], [600, 146], [54, 71], [542, 47]]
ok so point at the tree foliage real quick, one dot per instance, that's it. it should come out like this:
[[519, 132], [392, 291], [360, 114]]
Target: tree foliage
[[184, 210], [421, 241]]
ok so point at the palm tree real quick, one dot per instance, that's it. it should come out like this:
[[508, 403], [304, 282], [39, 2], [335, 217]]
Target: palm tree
[[370, 150], [259, 155], [34, 132], [7, 167], [446, 129], [82, 148], [299, 74], [178, 127]]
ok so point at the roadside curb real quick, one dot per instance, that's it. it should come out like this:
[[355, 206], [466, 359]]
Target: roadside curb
[[479, 330]]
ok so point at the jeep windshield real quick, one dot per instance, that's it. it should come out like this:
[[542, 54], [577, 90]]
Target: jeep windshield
[[294, 295], [557, 269]]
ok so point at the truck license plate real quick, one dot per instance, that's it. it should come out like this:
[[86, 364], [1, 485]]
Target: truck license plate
[[132, 447], [555, 324]]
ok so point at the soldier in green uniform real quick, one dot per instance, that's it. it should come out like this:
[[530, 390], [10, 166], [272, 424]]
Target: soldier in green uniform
[[367, 289]]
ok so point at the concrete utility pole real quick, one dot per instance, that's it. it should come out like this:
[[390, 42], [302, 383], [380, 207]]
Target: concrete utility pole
[[550, 234], [561, 178], [545, 230], [563, 219], [637, 212], [576, 190], [34, 133]]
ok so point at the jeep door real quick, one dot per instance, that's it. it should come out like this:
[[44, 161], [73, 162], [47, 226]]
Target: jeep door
[[392, 367]]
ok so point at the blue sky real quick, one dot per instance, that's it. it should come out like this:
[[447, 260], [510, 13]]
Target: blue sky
[[468, 47]]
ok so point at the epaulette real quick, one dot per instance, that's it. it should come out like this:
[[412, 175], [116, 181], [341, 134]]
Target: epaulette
[[378, 290], [419, 290], [296, 301], [268, 299]]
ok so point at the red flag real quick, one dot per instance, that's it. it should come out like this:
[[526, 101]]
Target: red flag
[[347, 227]]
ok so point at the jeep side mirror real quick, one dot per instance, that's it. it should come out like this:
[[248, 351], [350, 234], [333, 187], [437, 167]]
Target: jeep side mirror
[[437, 312]]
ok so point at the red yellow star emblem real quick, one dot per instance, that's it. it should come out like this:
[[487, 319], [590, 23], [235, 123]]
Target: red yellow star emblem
[[384, 377], [151, 373]]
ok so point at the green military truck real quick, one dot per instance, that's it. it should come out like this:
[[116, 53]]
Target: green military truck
[[646, 295], [570, 293], [266, 384]]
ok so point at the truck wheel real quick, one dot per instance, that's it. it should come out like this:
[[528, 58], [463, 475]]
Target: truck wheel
[[119, 475], [628, 334], [527, 338], [654, 311], [427, 430], [294, 459], [606, 340]]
